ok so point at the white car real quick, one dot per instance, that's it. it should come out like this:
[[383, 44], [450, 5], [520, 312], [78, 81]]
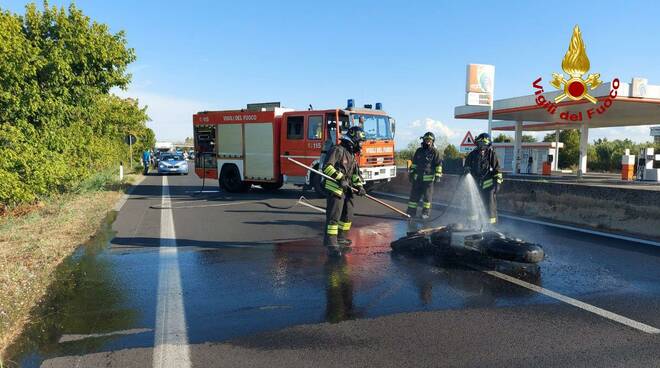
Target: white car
[[172, 163]]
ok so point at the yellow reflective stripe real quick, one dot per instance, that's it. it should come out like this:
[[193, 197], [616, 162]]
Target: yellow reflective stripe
[[493, 220], [412, 204], [339, 175], [344, 226], [487, 183], [428, 177], [338, 193], [427, 204], [329, 170], [438, 170], [331, 186], [332, 230]]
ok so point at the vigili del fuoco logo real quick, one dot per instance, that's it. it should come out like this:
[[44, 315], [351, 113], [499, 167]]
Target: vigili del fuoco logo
[[575, 87]]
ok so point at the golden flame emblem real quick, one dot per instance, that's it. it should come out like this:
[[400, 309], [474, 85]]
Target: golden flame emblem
[[576, 64]]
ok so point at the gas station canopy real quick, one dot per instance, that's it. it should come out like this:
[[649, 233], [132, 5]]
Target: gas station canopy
[[625, 110], [635, 104]]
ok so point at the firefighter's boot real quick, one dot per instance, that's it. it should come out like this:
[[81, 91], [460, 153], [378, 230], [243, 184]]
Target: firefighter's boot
[[412, 209], [343, 240], [426, 213]]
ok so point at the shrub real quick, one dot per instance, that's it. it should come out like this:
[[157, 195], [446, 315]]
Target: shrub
[[60, 127]]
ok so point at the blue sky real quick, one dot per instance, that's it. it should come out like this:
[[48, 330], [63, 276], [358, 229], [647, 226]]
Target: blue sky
[[410, 56]]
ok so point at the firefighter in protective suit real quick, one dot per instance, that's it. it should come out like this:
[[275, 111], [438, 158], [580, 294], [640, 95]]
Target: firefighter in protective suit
[[342, 166], [482, 163], [425, 170]]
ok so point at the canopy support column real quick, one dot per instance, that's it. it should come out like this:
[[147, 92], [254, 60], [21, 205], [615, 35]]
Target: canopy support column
[[517, 140], [584, 147], [555, 163]]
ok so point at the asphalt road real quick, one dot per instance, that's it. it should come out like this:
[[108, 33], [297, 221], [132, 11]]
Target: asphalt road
[[242, 280]]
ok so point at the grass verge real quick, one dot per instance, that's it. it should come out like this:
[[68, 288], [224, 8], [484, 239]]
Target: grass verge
[[34, 242]]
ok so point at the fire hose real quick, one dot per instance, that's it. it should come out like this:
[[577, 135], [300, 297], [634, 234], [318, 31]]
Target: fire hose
[[352, 188]]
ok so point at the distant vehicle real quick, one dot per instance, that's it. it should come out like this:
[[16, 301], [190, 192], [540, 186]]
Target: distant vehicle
[[172, 163], [161, 147]]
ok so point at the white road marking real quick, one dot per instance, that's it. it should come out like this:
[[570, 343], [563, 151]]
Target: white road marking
[[550, 224], [76, 337], [171, 338], [576, 303], [586, 231]]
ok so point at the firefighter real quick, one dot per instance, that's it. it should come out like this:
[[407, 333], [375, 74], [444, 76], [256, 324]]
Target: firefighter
[[425, 170], [482, 163], [342, 166]]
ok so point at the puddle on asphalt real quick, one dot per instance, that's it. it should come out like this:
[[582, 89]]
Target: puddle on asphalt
[[99, 292], [82, 286], [296, 282]]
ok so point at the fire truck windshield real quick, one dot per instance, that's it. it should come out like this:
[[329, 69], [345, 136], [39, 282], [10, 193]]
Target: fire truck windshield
[[377, 127]]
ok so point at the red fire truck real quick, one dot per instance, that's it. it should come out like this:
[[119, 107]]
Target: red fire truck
[[250, 146]]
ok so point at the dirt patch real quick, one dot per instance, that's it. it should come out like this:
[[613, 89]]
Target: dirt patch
[[32, 245]]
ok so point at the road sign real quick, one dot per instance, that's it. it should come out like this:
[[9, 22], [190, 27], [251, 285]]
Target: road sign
[[130, 139], [467, 144]]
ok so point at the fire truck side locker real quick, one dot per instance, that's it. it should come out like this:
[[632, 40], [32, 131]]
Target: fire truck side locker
[[230, 146], [259, 152]]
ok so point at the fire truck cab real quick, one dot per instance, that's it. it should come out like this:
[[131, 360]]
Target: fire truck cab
[[251, 146]]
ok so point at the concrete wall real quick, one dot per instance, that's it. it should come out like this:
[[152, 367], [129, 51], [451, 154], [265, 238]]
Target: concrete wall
[[633, 211]]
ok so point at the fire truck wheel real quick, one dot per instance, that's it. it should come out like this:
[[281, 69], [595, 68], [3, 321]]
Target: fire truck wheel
[[271, 187], [318, 187], [230, 180]]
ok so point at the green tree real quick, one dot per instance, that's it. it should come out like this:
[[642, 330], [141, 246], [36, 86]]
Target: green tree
[[569, 155], [451, 152], [59, 124], [528, 138], [407, 153], [502, 138]]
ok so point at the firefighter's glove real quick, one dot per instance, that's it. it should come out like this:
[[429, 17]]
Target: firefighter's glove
[[344, 184], [361, 191]]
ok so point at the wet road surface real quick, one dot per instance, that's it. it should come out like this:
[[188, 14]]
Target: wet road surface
[[242, 280]]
